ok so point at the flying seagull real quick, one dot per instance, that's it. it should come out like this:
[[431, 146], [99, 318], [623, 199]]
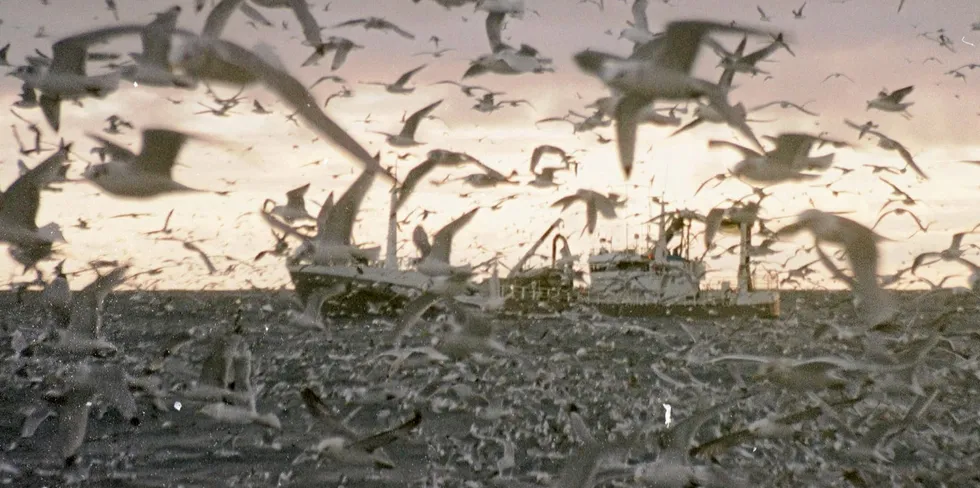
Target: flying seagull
[[144, 175], [406, 138]]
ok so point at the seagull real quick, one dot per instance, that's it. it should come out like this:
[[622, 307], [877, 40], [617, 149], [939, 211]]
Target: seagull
[[487, 104], [509, 61], [144, 175], [890, 144], [219, 60], [84, 383], [798, 13], [747, 63], [295, 207], [469, 334], [153, 66], [345, 446], [902, 211], [228, 373], [973, 280], [892, 102], [435, 260], [19, 206], [708, 113], [56, 296], [333, 78], [863, 128], [719, 178], [225, 372], [660, 70], [504, 59], [376, 23], [838, 75], [639, 30], [813, 373], [332, 244], [595, 204], [898, 192], [546, 149], [84, 331], [786, 104], [770, 427], [467, 89], [435, 158], [311, 29], [545, 178], [597, 119], [788, 161], [406, 138], [435, 54], [951, 253], [488, 179], [673, 467], [398, 86], [344, 92], [66, 77], [860, 245], [762, 14], [312, 315], [257, 108], [341, 47]]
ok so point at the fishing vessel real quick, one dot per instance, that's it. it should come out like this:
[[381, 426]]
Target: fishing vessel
[[380, 287], [665, 281]]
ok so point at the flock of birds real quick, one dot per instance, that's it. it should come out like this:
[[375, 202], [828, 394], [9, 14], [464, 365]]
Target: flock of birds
[[656, 79]]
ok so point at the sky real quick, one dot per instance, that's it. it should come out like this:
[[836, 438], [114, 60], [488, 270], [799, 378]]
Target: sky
[[254, 157]]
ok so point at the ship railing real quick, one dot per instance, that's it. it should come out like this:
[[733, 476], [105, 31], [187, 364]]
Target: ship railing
[[537, 293], [645, 298], [763, 281]]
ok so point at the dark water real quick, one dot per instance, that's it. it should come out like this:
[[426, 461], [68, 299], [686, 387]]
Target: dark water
[[617, 372]]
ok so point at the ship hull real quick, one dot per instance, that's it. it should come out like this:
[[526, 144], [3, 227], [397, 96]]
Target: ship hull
[[694, 310]]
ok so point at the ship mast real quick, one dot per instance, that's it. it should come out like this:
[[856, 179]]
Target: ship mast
[[660, 250], [744, 278], [391, 246]]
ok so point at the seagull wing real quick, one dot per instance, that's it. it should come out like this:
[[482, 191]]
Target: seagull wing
[[340, 221], [159, 152], [897, 95], [412, 123], [340, 56], [411, 314], [421, 241], [412, 179], [402, 32], [321, 412], [408, 75], [294, 197], [746, 152], [19, 204], [215, 23], [640, 15], [494, 24], [907, 156], [311, 29], [350, 23], [226, 61], [381, 439], [682, 41], [116, 151], [443, 239], [627, 117]]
